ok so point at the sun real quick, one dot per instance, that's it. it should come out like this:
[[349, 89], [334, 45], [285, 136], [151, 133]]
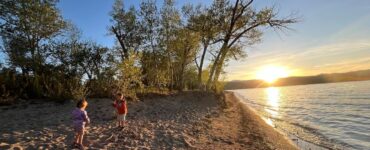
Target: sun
[[270, 74]]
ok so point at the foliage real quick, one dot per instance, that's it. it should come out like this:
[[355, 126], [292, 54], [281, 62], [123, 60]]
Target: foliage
[[128, 77], [26, 28], [239, 26], [125, 28], [157, 48]]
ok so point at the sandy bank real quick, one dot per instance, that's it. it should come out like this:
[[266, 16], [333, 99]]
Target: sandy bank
[[242, 128], [190, 120]]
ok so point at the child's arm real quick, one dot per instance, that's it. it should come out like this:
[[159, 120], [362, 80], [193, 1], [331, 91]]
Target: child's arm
[[125, 107], [114, 103], [86, 118]]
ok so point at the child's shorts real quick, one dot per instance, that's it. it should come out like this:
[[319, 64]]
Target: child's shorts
[[121, 117], [79, 129]]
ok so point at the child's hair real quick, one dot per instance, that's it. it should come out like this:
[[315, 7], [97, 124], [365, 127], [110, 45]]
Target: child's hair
[[80, 103], [119, 94]]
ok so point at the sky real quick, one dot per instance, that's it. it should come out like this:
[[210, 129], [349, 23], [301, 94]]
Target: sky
[[332, 35]]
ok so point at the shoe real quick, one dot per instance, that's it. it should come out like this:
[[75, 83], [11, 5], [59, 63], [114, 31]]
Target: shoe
[[74, 145], [81, 147]]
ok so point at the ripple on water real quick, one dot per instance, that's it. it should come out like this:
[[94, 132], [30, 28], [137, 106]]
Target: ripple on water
[[338, 113]]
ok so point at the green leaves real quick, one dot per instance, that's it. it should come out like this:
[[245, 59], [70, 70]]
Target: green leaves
[[26, 27], [129, 77], [156, 47], [125, 27]]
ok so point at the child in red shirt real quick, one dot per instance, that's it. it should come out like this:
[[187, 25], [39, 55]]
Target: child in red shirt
[[121, 107]]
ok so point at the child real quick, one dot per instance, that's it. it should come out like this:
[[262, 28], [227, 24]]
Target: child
[[80, 120], [121, 106]]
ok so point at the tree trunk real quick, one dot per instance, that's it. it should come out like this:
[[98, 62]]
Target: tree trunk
[[209, 82], [200, 69], [219, 67], [124, 52], [170, 71], [181, 77], [215, 66]]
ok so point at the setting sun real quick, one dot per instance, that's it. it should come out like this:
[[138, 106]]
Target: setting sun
[[271, 73]]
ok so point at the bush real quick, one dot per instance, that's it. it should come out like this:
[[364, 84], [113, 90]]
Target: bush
[[129, 78]]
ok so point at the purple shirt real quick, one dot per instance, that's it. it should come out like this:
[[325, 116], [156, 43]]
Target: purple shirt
[[80, 117]]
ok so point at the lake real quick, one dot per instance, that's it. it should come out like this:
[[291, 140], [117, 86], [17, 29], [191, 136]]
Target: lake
[[335, 115]]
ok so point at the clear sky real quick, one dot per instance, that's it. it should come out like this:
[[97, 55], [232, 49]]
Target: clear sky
[[92, 16], [333, 35]]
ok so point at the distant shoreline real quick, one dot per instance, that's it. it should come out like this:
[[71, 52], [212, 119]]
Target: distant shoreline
[[299, 85], [363, 75]]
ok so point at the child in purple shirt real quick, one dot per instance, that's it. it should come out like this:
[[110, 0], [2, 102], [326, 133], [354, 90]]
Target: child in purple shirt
[[80, 120]]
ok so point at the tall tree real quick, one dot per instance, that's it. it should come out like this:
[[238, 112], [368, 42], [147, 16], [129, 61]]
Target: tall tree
[[186, 45], [240, 23], [152, 60], [149, 24], [200, 21], [170, 23], [125, 27], [26, 28]]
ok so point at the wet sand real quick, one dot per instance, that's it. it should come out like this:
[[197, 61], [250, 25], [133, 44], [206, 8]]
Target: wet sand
[[188, 120]]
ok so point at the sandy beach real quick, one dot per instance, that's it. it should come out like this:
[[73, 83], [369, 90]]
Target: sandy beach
[[188, 120]]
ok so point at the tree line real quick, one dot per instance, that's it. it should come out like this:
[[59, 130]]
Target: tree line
[[158, 47]]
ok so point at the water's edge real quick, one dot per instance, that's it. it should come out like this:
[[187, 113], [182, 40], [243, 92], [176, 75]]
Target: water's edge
[[297, 141]]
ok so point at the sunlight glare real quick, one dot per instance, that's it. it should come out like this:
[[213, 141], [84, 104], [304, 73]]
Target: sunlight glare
[[271, 73], [269, 121], [273, 100]]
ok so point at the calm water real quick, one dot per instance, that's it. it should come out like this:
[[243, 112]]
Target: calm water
[[335, 115]]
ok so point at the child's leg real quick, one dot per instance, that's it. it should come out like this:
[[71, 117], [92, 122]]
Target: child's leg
[[77, 134], [76, 137], [118, 120], [81, 135]]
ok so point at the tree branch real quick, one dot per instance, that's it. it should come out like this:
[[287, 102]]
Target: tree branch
[[243, 32]]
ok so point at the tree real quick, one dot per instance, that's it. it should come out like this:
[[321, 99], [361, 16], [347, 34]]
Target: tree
[[170, 22], [156, 47], [153, 61], [86, 61], [125, 28], [26, 28], [128, 77], [200, 21], [149, 21], [185, 45], [240, 23]]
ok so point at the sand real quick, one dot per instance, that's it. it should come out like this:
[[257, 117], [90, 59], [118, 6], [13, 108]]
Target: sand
[[188, 120]]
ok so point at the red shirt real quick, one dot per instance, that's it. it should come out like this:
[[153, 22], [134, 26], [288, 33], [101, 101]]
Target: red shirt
[[121, 106]]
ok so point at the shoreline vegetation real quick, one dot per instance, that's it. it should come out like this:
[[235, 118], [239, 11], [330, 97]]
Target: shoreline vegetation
[[186, 120], [163, 47]]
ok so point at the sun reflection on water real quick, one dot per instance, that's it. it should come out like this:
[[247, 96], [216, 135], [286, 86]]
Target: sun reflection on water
[[273, 102]]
